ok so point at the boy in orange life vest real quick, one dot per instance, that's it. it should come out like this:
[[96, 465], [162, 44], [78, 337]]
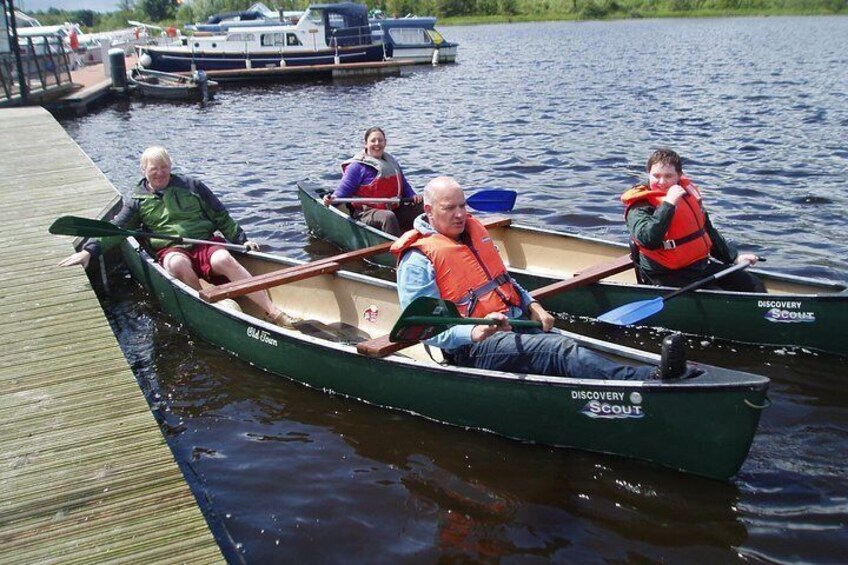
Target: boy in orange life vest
[[673, 234], [449, 254]]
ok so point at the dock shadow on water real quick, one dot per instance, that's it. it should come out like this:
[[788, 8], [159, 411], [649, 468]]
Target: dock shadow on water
[[288, 473]]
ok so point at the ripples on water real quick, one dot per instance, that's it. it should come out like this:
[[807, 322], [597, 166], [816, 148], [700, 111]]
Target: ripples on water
[[565, 113]]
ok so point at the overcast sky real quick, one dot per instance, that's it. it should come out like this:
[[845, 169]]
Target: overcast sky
[[28, 6]]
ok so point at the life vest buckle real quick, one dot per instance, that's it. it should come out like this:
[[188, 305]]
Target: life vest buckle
[[669, 244]]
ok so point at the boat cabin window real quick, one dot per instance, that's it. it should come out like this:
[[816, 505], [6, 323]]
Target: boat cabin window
[[335, 21], [272, 40], [291, 39], [241, 37], [409, 36]]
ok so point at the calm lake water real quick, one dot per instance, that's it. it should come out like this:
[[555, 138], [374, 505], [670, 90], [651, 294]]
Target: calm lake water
[[566, 114]]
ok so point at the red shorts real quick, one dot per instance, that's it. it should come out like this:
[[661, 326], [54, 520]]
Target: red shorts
[[200, 255]]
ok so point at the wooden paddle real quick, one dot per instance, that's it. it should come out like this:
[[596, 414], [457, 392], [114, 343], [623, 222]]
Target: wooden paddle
[[85, 227], [636, 311], [491, 200], [292, 274], [382, 346], [426, 317]]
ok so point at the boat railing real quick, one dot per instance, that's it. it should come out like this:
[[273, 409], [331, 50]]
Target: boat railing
[[351, 37], [44, 64]]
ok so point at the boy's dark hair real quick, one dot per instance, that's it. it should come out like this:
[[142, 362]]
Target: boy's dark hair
[[665, 157]]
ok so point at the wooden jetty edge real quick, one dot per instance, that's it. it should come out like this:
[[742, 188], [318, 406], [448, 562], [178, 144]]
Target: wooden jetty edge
[[85, 473]]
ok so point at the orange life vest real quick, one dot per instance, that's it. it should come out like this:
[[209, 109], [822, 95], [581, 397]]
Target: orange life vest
[[686, 240], [473, 275], [388, 182]]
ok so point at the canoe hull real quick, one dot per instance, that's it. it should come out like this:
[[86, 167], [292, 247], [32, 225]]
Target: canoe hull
[[703, 426], [799, 312]]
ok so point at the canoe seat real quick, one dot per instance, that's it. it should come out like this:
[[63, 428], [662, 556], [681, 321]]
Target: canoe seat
[[381, 346]]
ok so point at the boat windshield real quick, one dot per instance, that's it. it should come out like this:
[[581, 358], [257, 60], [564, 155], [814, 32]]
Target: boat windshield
[[315, 15], [435, 36], [409, 36]]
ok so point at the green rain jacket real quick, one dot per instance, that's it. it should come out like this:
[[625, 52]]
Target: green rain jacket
[[185, 208]]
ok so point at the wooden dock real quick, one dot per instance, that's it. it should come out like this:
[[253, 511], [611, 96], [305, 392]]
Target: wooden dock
[[85, 473]]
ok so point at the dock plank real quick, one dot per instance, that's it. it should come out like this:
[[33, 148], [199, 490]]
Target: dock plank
[[85, 473]]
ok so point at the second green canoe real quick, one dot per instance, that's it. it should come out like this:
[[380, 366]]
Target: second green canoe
[[795, 311]]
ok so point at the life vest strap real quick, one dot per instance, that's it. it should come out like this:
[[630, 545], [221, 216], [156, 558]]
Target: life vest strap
[[472, 296], [673, 243]]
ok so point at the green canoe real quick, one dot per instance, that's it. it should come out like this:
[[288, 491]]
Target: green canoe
[[702, 425], [795, 311]]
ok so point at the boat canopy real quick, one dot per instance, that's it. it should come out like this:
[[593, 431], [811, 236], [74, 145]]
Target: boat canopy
[[345, 24]]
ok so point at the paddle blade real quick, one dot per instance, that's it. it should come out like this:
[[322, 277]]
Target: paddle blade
[[408, 327], [633, 312], [493, 200], [84, 227]]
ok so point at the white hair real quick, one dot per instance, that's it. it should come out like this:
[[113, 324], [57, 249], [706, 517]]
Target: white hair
[[155, 154], [434, 185]]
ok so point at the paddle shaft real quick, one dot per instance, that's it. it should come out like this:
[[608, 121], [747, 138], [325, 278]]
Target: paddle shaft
[[492, 200], [706, 280], [633, 312], [370, 200], [450, 321], [382, 346], [86, 227]]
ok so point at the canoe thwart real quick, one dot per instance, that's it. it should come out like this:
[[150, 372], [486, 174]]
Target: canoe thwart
[[315, 268], [589, 276], [262, 282]]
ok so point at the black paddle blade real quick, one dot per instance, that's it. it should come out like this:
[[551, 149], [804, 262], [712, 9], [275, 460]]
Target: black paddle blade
[[409, 326], [84, 227]]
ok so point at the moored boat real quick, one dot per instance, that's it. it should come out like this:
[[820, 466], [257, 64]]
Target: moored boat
[[795, 311], [702, 425], [414, 39], [326, 34], [169, 86]]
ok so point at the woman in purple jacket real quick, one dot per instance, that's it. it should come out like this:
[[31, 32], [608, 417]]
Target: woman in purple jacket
[[374, 174]]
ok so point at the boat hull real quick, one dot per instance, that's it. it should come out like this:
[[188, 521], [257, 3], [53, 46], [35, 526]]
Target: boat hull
[[796, 312], [182, 59], [177, 87], [703, 425]]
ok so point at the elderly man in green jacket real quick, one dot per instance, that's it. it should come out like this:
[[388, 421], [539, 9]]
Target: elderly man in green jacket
[[178, 205]]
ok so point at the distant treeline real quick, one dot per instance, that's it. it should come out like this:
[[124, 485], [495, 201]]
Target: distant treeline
[[170, 12]]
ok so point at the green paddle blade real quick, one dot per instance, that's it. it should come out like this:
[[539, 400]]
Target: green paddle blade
[[493, 200], [85, 227], [426, 317], [409, 326]]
